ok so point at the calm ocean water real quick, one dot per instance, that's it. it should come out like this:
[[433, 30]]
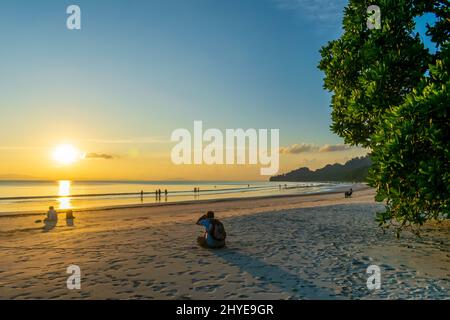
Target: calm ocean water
[[25, 196]]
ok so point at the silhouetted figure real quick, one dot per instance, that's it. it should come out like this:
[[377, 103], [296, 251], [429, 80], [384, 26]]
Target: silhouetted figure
[[69, 214], [52, 215], [69, 218], [52, 219], [348, 194]]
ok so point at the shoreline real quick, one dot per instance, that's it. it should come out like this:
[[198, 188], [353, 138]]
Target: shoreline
[[339, 189], [93, 195]]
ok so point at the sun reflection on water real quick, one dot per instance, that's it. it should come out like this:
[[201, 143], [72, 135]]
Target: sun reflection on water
[[64, 193]]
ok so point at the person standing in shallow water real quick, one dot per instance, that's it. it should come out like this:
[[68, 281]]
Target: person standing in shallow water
[[195, 192]]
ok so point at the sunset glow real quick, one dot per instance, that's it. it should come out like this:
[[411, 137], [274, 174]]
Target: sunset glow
[[64, 192], [66, 154]]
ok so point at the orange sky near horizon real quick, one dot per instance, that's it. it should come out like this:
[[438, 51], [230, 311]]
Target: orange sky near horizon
[[124, 160]]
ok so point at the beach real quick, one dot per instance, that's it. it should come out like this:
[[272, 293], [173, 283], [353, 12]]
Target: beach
[[287, 247]]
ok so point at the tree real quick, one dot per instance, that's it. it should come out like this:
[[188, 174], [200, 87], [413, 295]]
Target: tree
[[390, 94], [411, 152]]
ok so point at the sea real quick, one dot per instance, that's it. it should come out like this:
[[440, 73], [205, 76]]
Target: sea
[[18, 196]]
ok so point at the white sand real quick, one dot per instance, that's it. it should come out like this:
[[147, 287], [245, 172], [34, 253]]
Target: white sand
[[303, 247]]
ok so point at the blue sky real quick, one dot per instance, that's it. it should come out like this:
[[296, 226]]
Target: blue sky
[[140, 69], [230, 63]]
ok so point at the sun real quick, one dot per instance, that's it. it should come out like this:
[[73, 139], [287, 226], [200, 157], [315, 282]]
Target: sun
[[66, 154]]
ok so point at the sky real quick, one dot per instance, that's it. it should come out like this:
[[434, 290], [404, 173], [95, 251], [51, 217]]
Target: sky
[[138, 70]]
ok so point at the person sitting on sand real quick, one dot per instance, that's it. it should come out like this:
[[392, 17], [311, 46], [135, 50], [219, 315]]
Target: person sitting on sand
[[69, 215], [52, 219], [69, 218], [214, 231], [52, 215]]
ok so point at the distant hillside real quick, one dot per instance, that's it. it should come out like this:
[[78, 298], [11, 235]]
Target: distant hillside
[[353, 170]]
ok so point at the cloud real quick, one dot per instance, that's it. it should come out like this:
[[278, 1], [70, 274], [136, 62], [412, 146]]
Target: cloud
[[308, 147], [299, 148], [334, 147], [324, 12], [93, 155]]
